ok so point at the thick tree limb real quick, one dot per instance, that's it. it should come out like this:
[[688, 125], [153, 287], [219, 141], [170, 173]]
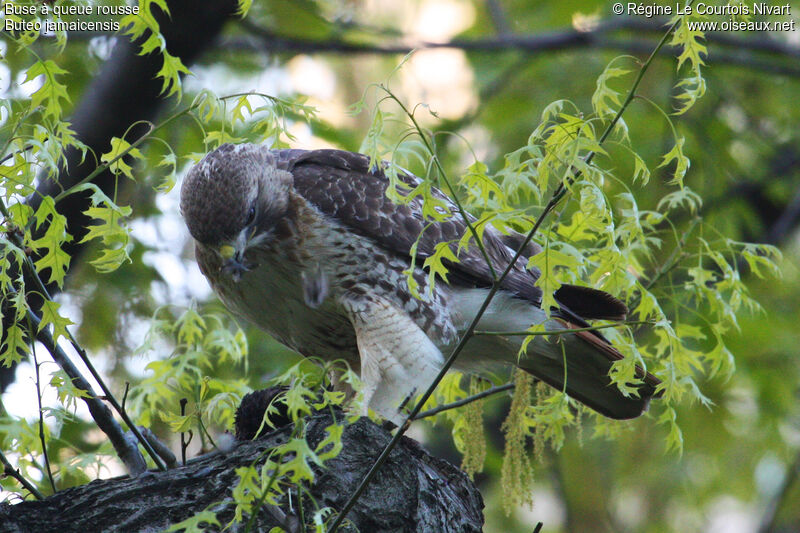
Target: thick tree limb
[[414, 491]]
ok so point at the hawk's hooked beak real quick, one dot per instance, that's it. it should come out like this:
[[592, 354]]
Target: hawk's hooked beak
[[233, 256]]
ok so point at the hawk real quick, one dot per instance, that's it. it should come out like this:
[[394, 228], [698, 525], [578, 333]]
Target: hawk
[[307, 246]]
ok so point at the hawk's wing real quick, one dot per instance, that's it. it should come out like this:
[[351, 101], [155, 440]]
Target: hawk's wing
[[342, 185]]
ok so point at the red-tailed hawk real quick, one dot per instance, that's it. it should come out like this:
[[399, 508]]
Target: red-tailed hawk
[[307, 246]]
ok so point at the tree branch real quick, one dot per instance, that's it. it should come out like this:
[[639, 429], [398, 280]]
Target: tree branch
[[464, 401], [417, 491], [9, 470], [126, 448], [743, 52]]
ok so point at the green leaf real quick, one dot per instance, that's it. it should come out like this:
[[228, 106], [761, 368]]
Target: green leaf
[[51, 92], [675, 435], [242, 104], [178, 423], [170, 161], [171, 70], [434, 263], [244, 7], [111, 232], [115, 158], [68, 393], [191, 327], [640, 170], [604, 97], [688, 38], [145, 25], [110, 260], [680, 197], [197, 523], [55, 259], [333, 442], [681, 161], [14, 346], [50, 315], [298, 467]]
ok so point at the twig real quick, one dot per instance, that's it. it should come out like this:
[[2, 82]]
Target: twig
[[109, 396], [12, 154], [128, 452], [499, 18], [558, 195], [674, 257], [565, 331], [9, 470], [125, 394], [184, 443], [104, 167], [464, 401], [595, 38], [32, 335]]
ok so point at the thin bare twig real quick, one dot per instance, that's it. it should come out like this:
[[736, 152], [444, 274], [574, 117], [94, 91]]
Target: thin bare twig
[[9, 470], [41, 411], [565, 331], [184, 442], [127, 451], [464, 401]]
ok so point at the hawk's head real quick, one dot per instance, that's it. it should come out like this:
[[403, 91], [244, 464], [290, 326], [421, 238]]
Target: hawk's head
[[232, 199]]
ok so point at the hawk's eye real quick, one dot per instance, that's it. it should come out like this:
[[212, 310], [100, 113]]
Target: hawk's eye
[[251, 216]]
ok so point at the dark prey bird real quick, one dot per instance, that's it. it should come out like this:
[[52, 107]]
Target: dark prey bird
[[307, 246]]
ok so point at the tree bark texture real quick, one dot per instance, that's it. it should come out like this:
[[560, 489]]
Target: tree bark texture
[[413, 491]]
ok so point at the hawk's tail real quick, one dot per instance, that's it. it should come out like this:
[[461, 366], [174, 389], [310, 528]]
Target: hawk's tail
[[578, 362], [588, 358]]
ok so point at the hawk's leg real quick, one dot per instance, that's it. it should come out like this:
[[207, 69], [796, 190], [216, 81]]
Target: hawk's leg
[[397, 357]]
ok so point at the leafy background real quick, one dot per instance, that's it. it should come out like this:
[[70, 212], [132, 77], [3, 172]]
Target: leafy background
[[739, 456]]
